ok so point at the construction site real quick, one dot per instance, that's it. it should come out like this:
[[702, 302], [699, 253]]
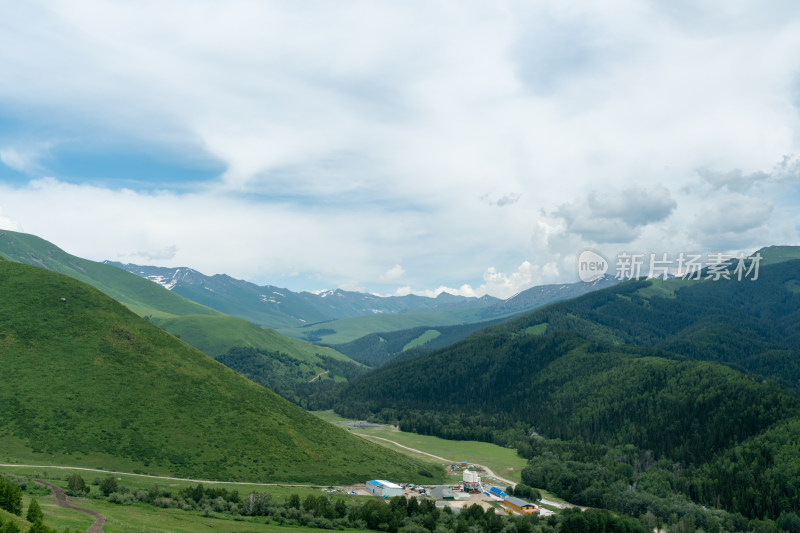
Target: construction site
[[472, 489]]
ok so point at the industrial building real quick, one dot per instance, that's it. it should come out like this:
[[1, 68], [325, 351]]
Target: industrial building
[[383, 488], [520, 506], [472, 481], [494, 491]]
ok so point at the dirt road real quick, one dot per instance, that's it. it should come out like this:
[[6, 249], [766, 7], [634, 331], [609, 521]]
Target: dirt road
[[61, 500], [488, 471], [312, 380], [205, 481]]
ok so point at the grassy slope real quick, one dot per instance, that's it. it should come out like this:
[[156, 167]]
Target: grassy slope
[[58, 476], [215, 335], [142, 296], [779, 254], [426, 337], [349, 329], [262, 355], [377, 348], [140, 518], [502, 461], [85, 377], [6, 517]]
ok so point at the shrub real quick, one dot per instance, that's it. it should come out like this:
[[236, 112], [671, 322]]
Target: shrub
[[10, 527], [109, 485], [76, 486], [120, 498]]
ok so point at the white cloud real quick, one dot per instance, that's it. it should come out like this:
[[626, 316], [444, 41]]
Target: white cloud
[[7, 223], [24, 161], [616, 216], [495, 283], [508, 199], [159, 254], [394, 273]]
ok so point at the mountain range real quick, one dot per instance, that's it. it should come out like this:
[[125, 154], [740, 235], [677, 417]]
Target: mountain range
[[278, 307], [338, 316], [329, 317]]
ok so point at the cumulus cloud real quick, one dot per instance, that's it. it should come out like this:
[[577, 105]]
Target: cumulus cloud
[[7, 223], [733, 180], [636, 206], [616, 217], [394, 273], [495, 283], [735, 213], [787, 171], [165, 253]]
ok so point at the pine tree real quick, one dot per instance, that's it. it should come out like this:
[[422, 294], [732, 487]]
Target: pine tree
[[35, 513], [10, 496], [39, 527]]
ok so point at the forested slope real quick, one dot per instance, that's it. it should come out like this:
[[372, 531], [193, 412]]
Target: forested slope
[[703, 375]]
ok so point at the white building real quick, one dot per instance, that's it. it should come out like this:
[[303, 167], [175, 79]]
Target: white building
[[383, 488]]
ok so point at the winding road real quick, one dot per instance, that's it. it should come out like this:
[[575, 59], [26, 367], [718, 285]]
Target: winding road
[[484, 467], [61, 500]]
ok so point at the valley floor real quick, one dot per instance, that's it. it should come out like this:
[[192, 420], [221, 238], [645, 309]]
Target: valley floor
[[501, 463]]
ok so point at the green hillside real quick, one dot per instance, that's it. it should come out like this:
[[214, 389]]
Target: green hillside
[[6, 517], [294, 369], [215, 335], [349, 329], [377, 348], [779, 254], [87, 382], [140, 295]]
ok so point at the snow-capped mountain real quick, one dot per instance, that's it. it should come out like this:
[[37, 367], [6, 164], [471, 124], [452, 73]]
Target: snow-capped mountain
[[279, 307]]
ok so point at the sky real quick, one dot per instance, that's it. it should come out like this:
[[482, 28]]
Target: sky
[[399, 147]]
